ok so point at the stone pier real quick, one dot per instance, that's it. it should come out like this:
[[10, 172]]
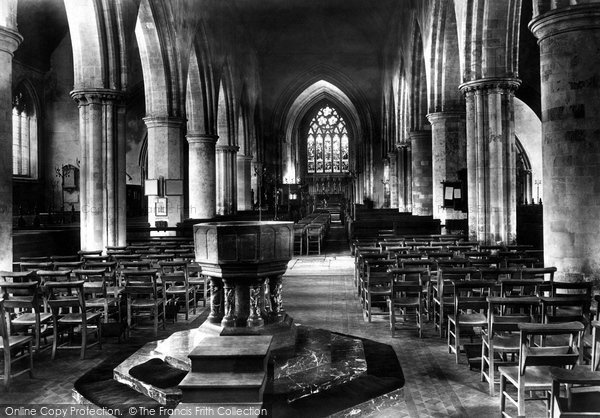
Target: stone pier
[[570, 75]]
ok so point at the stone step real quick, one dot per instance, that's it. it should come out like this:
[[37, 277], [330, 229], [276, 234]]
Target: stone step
[[242, 354], [223, 387]]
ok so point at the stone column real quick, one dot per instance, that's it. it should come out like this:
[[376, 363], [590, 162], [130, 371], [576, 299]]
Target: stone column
[[570, 74], [9, 42], [226, 179], [422, 203], [449, 155], [102, 175], [216, 300], [491, 165], [244, 163], [165, 159], [393, 158], [202, 175]]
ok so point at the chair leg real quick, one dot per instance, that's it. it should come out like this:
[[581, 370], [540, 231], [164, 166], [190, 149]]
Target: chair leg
[[521, 400], [83, 339], [456, 340], [491, 372], [502, 394], [392, 317], [55, 339], [7, 363]]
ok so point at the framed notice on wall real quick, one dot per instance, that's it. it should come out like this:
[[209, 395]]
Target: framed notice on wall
[[160, 207]]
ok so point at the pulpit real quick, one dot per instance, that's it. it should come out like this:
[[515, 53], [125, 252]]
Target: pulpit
[[245, 262]]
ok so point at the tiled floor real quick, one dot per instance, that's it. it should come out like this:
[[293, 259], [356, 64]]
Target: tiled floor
[[319, 292]]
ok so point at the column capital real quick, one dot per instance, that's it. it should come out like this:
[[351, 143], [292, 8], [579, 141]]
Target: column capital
[[552, 21], [198, 138], [164, 121], [244, 157], [10, 40], [420, 134], [96, 96], [509, 84], [435, 117], [227, 148], [403, 145]]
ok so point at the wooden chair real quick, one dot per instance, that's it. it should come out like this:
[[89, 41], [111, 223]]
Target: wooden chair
[[199, 281], [174, 276], [143, 297], [377, 286], [407, 294], [500, 341], [14, 348], [313, 236], [442, 293], [533, 371], [298, 238], [362, 257], [470, 310], [67, 302], [582, 397], [23, 300], [430, 266], [95, 292]]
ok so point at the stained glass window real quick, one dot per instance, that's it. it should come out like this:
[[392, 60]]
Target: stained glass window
[[327, 143]]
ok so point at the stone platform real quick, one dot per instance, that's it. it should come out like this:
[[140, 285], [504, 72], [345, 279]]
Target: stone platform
[[321, 361]]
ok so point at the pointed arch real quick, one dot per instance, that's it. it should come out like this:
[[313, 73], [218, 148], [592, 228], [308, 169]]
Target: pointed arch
[[310, 100]]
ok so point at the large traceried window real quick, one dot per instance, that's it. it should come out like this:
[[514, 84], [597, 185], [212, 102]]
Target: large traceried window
[[327, 143], [24, 136]]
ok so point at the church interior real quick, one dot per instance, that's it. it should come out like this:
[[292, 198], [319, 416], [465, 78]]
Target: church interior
[[300, 208]]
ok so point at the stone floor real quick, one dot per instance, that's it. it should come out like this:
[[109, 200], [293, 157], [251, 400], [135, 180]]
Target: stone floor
[[318, 292]]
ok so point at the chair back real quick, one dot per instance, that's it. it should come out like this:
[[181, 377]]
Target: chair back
[[65, 295], [376, 272], [173, 266], [506, 313], [64, 258], [35, 266], [94, 281], [68, 265], [42, 259], [520, 287], [560, 355], [20, 295], [54, 275], [471, 294], [140, 283], [417, 264], [82, 253]]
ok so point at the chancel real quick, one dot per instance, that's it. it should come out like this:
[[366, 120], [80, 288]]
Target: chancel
[[300, 208]]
